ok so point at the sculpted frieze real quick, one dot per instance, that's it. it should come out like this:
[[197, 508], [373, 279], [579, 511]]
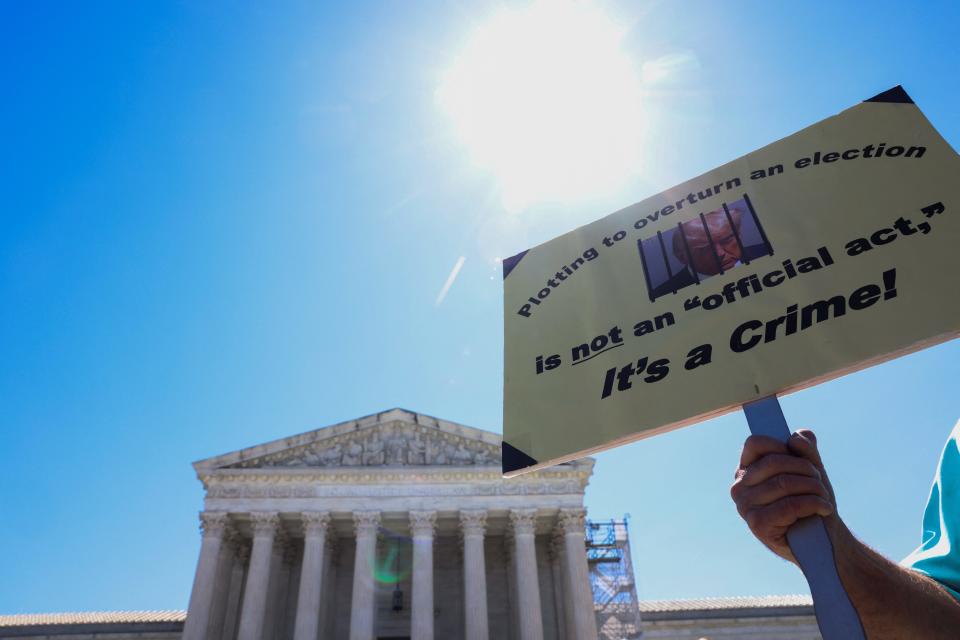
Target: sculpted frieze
[[395, 444]]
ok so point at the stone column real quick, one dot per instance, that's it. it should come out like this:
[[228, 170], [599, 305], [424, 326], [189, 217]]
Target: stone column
[[473, 525], [328, 601], [577, 583], [422, 526], [287, 593], [311, 575], [231, 618], [265, 525], [528, 583], [221, 588], [214, 525], [564, 613], [512, 599], [366, 525], [273, 618]]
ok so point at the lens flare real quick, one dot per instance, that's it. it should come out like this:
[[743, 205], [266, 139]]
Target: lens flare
[[393, 565]]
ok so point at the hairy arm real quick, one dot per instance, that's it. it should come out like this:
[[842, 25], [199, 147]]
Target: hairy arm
[[777, 484]]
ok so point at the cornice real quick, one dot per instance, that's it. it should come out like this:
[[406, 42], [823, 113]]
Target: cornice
[[290, 490], [390, 475]]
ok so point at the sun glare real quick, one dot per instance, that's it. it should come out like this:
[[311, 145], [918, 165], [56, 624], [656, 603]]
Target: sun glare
[[545, 99]]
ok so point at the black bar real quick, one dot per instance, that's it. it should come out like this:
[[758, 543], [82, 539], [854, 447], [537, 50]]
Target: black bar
[[666, 261], [646, 274], [736, 234], [686, 245], [713, 248], [756, 221]]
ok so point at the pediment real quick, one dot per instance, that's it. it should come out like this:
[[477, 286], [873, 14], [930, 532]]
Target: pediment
[[395, 438]]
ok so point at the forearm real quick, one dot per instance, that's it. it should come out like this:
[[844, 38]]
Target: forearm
[[893, 602], [779, 483]]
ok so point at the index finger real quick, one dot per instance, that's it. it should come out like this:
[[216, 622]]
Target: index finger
[[755, 447]]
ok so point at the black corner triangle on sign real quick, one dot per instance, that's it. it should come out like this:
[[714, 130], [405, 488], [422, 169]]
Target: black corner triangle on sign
[[511, 262], [896, 94], [514, 459]]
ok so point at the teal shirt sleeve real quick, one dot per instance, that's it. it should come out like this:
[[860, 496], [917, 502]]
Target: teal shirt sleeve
[[938, 555]]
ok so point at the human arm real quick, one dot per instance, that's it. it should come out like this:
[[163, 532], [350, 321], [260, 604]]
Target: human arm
[[777, 484]]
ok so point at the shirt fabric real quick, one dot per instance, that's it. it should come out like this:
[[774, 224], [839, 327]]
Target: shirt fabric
[[938, 555]]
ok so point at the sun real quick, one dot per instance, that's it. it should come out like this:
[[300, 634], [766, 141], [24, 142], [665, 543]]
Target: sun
[[545, 98]]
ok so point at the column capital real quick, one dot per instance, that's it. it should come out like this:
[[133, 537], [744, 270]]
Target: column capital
[[264, 523], [214, 524], [572, 521], [523, 521], [473, 522], [314, 523], [366, 522], [423, 523]]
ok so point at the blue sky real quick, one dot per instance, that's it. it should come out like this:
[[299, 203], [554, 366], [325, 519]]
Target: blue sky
[[225, 224]]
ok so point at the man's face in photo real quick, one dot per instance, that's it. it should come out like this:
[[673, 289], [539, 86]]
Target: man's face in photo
[[698, 241]]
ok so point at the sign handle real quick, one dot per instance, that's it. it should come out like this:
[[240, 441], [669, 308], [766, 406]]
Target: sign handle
[[808, 540]]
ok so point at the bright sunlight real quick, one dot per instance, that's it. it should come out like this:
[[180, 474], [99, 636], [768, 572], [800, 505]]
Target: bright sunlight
[[545, 99]]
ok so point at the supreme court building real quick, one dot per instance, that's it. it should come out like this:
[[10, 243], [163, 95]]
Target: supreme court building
[[397, 525]]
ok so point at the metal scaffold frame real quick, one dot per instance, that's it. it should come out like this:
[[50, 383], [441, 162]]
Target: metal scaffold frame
[[611, 579]]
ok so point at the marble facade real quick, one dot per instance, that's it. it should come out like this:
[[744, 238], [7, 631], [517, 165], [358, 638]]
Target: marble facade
[[397, 525]]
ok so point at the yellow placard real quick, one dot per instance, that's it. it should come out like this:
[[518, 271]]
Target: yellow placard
[[825, 252]]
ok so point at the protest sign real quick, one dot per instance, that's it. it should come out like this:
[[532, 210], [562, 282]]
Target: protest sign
[[825, 252]]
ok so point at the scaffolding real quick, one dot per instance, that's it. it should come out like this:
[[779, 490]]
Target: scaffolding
[[611, 579]]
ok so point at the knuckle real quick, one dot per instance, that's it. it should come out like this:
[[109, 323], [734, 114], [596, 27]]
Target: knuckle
[[752, 441], [784, 511], [782, 482], [802, 506], [760, 470], [742, 510], [805, 484], [761, 465], [775, 464], [736, 489], [793, 505]]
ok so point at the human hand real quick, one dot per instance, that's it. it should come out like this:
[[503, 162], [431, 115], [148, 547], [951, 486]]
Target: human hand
[[779, 483]]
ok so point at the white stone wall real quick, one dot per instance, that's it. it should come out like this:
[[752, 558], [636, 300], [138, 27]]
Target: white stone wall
[[748, 627]]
